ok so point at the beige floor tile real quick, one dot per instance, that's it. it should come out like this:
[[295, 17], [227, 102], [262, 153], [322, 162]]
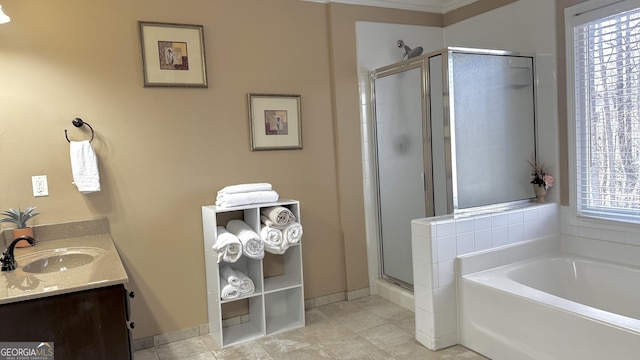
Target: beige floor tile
[[209, 341], [353, 347], [313, 352], [325, 331], [411, 350], [192, 348], [339, 309], [389, 311], [370, 300], [313, 316], [407, 324], [145, 354], [458, 352], [360, 320], [385, 336], [251, 350], [284, 343]]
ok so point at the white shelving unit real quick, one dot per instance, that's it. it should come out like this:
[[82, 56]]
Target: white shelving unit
[[277, 305]]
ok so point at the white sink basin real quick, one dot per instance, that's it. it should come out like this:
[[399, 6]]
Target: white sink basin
[[54, 260]]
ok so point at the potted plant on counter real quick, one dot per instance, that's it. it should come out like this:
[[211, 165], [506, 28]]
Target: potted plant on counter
[[20, 218], [540, 179]]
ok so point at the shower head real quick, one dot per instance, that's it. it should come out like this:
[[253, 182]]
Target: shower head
[[408, 52]]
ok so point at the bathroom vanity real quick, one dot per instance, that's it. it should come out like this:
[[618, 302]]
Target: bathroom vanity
[[71, 293]]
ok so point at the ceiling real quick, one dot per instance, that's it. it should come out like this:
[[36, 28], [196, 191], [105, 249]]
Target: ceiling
[[436, 6]]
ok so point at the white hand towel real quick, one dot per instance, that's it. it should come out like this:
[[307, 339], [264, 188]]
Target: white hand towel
[[246, 285], [227, 246], [232, 277], [292, 233], [227, 291], [271, 236], [278, 216], [273, 240], [84, 166], [252, 244]]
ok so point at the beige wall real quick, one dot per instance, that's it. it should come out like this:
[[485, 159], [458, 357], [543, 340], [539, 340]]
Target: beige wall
[[164, 152]]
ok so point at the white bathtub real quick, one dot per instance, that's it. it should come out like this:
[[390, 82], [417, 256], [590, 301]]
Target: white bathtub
[[556, 306]]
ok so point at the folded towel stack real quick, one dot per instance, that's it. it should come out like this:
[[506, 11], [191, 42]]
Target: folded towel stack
[[246, 194], [252, 244], [227, 246], [234, 283], [279, 229]]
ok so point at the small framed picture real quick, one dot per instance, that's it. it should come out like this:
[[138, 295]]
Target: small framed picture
[[172, 55], [274, 122]]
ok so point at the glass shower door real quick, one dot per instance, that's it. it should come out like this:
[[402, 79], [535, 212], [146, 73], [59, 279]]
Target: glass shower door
[[399, 133]]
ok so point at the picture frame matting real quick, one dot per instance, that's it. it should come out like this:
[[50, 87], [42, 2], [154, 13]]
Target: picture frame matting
[[275, 122]]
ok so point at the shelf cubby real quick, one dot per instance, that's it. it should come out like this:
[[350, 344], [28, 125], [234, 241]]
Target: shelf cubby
[[292, 271], [283, 310], [253, 329]]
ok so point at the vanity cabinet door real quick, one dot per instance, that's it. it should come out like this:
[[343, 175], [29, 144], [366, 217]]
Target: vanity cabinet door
[[82, 325]]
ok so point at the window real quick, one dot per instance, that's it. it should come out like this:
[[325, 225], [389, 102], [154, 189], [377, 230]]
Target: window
[[604, 65]]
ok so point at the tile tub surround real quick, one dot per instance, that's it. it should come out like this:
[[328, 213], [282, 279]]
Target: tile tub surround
[[437, 241]]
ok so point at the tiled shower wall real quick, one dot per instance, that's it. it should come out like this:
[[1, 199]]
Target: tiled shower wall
[[437, 241]]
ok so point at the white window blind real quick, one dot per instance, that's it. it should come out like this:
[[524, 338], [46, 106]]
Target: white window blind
[[606, 61]]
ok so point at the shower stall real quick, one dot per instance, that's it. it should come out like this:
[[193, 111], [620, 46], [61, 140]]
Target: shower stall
[[452, 131]]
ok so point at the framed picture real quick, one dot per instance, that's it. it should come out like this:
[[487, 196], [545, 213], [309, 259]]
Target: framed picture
[[172, 55], [274, 121]]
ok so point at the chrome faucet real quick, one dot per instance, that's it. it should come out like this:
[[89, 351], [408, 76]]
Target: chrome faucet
[[8, 259]]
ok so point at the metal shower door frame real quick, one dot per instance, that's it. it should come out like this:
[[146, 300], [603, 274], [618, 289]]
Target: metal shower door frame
[[420, 62]]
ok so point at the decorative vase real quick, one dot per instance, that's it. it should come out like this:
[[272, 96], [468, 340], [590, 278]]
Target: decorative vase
[[17, 232], [540, 191]]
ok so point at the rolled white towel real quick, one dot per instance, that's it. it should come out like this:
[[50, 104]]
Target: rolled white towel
[[273, 240], [292, 233], [271, 236], [247, 198], [242, 188], [252, 244], [230, 275], [246, 285], [227, 291], [278, 216], [227, 246]]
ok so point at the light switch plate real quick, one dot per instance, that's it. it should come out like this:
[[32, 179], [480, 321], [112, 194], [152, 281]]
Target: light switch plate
[[40, 186]]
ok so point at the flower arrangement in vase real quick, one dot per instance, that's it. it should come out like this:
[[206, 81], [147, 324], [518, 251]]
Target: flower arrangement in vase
[[20, 218], [540, 179]]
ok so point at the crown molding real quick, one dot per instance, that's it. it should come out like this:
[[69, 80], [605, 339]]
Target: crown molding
[[433, 6]]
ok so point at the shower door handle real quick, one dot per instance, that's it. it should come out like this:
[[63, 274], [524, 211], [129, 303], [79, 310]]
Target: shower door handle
[[424, 181]]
